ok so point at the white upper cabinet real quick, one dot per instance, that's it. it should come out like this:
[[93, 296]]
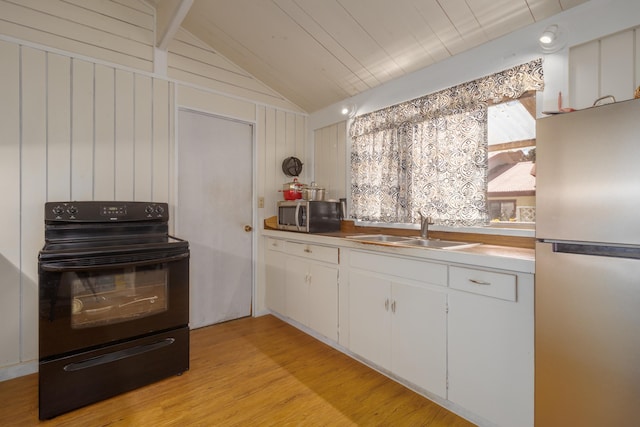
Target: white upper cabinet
[[603, 67]]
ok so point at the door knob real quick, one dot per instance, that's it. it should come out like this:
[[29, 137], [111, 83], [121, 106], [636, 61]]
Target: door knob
[[248, 228]]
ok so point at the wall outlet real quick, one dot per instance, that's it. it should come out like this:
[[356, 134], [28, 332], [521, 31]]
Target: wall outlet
[[260, 202]]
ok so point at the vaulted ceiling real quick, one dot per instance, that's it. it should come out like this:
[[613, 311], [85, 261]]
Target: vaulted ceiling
[[319, 52]]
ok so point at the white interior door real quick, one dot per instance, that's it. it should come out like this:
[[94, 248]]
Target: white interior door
[[215, 194]]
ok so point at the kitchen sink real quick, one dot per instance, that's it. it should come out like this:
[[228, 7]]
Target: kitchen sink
[[380, 238], [435, 243], [410, 241]]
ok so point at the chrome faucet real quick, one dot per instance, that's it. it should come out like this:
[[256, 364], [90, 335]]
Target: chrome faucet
[[425, 222]]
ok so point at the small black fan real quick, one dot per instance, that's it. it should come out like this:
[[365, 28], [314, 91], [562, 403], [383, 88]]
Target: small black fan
[[292, 166]]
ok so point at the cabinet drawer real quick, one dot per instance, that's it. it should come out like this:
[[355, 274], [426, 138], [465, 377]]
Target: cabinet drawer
[[275, 244], [423, 271], [489, 283], [314, 252]]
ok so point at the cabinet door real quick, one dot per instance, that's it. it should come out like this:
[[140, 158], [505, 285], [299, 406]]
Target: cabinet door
[[369, 317], [297, 289], [419, 336], [323, 300], [491, 355], [275, 286]]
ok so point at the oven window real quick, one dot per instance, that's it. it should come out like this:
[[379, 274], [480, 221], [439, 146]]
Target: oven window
[[114, 296]]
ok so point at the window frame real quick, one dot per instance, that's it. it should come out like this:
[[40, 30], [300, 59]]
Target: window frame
[[522, 80]]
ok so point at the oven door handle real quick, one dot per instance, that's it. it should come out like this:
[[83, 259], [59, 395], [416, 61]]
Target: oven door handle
[[73, 265]]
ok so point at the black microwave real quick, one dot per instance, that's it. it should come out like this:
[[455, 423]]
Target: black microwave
[[309, 216]]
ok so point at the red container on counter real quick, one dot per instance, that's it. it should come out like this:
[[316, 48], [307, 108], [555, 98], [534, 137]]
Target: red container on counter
[[292, 190]]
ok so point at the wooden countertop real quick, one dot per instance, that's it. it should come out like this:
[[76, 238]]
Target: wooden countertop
[[480, 254], [480, 248], [502, 251], [492, 251]]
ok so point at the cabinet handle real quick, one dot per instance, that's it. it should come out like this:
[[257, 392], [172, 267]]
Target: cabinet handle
[[393, 307], [480, 282], [386, 304], [307, 250]]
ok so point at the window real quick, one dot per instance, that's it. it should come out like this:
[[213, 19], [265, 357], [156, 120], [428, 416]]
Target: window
[[431, 154], [511, 187], [502, 210]]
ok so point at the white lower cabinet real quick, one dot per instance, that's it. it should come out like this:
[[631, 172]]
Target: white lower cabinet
[[302, 284], [370, 318], [311, 295], [296, 290], [399, 325], [490, 343], [275, 283], [419, 337], [459, 332], [323, 300]]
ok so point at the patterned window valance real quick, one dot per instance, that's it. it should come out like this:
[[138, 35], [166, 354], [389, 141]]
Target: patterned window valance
[[430, 154], [511, 83]]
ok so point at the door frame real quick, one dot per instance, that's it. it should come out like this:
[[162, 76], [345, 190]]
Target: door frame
[[254, 169]]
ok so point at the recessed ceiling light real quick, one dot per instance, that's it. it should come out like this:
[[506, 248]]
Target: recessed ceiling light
[[552, 39], [348, 110], [549, 35]]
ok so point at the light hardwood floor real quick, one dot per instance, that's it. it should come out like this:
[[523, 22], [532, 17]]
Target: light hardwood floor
[[248, 372]]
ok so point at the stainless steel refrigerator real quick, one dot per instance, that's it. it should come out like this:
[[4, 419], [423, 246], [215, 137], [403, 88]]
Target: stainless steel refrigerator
[[587, 295]]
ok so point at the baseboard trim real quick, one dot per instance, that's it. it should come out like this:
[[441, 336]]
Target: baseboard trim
[[19, 370]]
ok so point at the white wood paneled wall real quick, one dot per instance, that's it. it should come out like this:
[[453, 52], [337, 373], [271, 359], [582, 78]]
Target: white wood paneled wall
[[119, 32], [10, 248], [191, 60], [330, 159], [77, 130], [608, 66], [280, 135], [122, 32], [72, 130], [82, 119]]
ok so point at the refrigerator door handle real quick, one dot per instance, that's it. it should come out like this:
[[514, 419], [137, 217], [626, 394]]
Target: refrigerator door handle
[[631, 252]]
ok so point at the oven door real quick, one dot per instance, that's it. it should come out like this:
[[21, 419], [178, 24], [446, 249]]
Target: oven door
[[99, 299]]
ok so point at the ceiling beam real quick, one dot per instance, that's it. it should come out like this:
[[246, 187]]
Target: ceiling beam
[[169, 16]]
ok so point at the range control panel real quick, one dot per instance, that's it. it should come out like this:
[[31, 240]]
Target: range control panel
[[92, 211]]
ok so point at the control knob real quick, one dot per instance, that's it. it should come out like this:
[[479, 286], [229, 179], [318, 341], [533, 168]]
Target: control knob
[[148, 209], [58, 210], [159, 210]]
